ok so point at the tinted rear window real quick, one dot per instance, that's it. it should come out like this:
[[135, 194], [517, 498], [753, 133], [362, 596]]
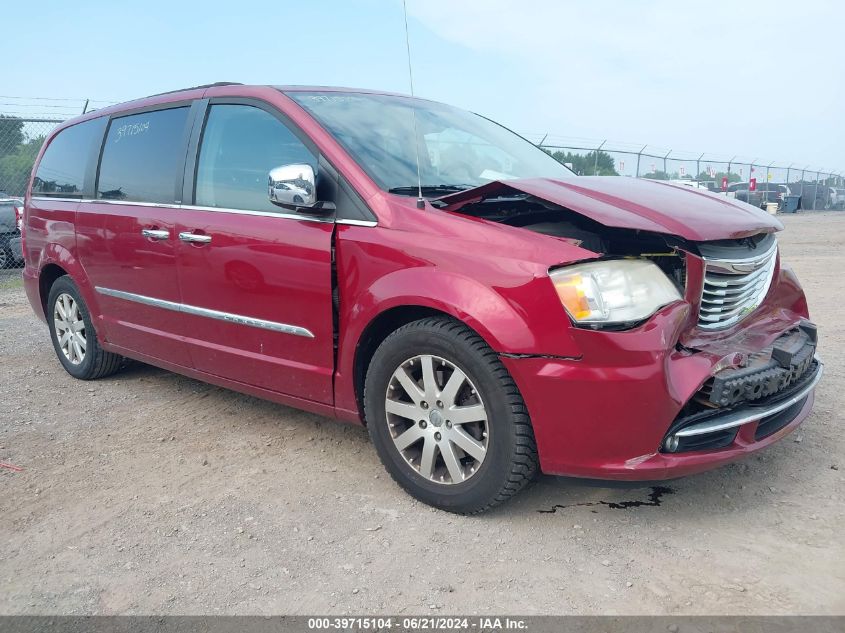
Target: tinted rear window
[[142, 157], [61, 172]]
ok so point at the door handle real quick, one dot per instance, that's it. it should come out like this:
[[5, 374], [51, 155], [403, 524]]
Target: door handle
[[155, 234], [196, 238]]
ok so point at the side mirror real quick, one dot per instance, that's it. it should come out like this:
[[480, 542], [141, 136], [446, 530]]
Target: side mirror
[[295, 187]]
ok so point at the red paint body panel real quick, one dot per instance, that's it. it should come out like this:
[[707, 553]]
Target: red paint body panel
[[645, 205], [115, 255], [600, 401], [264, 268]]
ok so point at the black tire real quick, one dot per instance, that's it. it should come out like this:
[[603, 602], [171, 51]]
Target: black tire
[[96, 362], [511, 460]]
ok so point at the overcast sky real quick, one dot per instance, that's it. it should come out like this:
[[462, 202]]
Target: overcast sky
[[762, 79]]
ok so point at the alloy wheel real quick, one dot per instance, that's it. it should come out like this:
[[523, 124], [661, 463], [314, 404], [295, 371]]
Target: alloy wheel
[[437, 419], [70, 328]]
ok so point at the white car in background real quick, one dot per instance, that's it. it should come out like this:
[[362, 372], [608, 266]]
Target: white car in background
[[287, 192], [837, 198], [692, 184]]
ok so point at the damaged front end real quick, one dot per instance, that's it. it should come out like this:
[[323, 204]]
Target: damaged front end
[[723, 367], [769, 387]]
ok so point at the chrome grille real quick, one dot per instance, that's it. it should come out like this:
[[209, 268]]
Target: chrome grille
[[733, 288]]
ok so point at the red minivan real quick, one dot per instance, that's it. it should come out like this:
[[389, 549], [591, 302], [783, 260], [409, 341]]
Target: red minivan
[[407, 265]]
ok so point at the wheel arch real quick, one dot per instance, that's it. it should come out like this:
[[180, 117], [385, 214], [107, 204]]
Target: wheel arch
[[515, 318], [56, 261], [46, 278], [378, 329]]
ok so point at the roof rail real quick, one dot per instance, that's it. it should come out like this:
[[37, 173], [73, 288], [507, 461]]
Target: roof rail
[[214, 85]]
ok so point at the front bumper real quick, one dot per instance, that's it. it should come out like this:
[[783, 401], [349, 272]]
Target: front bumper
[[718, 428], [622, 410]]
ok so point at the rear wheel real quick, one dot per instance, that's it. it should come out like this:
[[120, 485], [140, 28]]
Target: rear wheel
[[73, 335], [6, 259], [447, 419]]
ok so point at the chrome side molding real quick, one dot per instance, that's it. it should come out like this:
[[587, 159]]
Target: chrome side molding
[[192, 207], [237, 319]]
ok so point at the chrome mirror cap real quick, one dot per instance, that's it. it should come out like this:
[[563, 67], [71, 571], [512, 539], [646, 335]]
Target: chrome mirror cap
[[295, 187]]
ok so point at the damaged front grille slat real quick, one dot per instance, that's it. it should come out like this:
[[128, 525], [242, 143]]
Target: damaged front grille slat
[[734, 287], [733, 281], [720, 313], [733, 293]]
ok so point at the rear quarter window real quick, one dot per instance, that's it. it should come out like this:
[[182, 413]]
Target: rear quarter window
[[143, 157], [61, 172]]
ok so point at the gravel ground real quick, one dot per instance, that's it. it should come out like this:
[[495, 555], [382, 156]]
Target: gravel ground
[[148, 492]]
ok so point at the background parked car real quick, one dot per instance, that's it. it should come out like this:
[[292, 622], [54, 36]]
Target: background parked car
[[764, 192], [814, 195], [774, 192], [743, 192], [11, 211], [837, 198], [730, 192]]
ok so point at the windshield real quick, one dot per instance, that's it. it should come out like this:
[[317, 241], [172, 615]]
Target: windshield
[[457, 149]]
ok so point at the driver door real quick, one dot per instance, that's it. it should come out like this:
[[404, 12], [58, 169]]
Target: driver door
[[256, 278]]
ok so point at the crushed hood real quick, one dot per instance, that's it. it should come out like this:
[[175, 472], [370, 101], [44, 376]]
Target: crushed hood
[[632, 203]]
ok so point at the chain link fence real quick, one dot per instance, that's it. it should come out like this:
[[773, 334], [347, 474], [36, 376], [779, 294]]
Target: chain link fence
[[756, 181], [792, 186], [20, 141]]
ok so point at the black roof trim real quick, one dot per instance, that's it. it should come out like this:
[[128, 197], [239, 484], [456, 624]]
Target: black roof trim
[[214, 85]]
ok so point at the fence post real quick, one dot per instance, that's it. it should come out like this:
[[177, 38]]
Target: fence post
[[730, 162], [698, 168], [596, 164], [768, 169], [803, 171], [818, 184], [666, 171], [85, 107], [639, 155]]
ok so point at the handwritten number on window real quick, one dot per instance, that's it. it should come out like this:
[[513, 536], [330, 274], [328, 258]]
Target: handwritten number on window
[[131, 129]]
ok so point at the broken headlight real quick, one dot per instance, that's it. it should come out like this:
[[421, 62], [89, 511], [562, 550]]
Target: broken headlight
[[613, 291]]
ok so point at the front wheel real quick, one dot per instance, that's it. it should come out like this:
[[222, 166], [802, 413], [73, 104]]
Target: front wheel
[[73, 335], [446, 418]]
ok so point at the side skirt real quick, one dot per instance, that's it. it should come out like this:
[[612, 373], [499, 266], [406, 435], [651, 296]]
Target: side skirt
[[265, 394]]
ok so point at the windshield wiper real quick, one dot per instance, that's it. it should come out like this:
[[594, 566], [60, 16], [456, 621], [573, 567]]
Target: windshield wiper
[[411, 190]]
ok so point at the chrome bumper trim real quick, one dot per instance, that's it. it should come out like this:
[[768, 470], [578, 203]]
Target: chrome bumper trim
[[749, 414]]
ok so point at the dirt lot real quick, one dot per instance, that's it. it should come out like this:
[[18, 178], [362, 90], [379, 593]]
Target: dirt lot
[[152, 493]]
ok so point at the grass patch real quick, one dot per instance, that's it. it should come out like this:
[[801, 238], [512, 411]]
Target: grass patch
[[11, 282]]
